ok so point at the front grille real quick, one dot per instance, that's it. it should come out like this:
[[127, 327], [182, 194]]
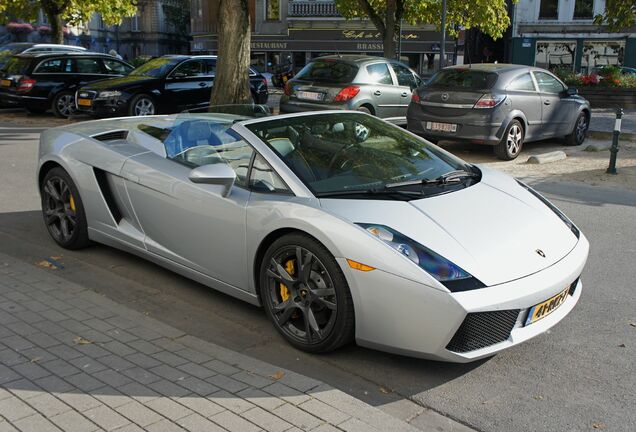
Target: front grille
[[482, 329]]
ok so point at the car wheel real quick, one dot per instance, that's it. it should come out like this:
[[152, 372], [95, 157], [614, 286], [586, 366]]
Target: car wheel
[[63, 210], [364, 110], [142, 105], [306, 295], [580, 131], [511, 143], [64, 105]]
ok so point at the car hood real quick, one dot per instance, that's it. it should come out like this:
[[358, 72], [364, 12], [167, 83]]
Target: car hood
[[492, 229], [119, 83]]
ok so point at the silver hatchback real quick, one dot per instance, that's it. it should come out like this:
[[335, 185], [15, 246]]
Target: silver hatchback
[[501, 105], [374, 85]]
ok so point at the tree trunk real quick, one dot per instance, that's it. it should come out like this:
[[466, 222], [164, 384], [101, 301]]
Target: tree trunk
[[388, 38], [231, 83], [57, 34]]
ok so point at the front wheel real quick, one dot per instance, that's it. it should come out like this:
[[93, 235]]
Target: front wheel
[[580, 131], [306, 295], [511, 142], [142, 105]]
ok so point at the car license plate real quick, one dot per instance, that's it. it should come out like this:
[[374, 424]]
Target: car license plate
[[545, 308], [84, 102], [309, 95], [5, 83], [443, 127]]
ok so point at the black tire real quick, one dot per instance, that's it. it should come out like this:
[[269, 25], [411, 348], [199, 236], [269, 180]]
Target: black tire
[[63, 210], [142, 105], [511, 141], [324, 297], [364, 110], [63, 105], [579, 132]]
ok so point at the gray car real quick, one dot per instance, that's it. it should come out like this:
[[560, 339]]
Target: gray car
[[500, 105], [374, 85]]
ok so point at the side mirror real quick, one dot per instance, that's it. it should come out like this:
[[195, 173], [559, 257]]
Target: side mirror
[[571, 91], [214, 174]]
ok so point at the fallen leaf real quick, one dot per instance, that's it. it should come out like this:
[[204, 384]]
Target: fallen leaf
[[621, 346], [78, 340], [538, 397], [385, 390], [278, 375], [598, 425], [45, 264], [36, 359], [632, 323]]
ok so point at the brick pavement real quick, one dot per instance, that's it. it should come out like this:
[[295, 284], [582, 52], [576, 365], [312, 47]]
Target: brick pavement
[[73, 360]]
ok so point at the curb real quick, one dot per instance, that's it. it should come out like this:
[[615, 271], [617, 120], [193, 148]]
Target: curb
[[603, 135]]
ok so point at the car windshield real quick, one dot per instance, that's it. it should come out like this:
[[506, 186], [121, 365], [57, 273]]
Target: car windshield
[[328, 71], [338, 154], [156, 68], [467, 79]]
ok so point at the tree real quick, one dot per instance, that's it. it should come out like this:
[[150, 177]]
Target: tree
[[231, 85], [619, 15], [71, 11], [489, 16]]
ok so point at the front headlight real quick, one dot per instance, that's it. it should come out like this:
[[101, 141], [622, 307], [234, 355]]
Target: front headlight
[[552, 207], [108, 94], [449, 274]]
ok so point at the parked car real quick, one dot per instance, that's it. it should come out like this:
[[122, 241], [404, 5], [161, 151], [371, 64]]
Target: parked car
[[39, 82], [167, 84], [374, 85], [342, 226], [7, 50], [624, 70], [501, 105]]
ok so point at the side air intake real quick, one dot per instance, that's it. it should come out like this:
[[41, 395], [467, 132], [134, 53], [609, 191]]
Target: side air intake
[[107, 192], [115, 135]]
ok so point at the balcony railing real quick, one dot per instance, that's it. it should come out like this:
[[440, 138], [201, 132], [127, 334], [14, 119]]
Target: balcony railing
[[312, 8]]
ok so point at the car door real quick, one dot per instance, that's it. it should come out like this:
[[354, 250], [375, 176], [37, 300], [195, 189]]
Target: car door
[[407, 81], [382, 89], [84, 70], [554, 107], [188, 223], [187, 85], [523, 96]]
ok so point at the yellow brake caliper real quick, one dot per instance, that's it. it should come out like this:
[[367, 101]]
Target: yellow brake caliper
[[71, 203], [284, 291]]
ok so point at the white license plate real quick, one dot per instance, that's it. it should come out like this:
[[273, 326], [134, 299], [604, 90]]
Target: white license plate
[[442, 127], [315, 96]]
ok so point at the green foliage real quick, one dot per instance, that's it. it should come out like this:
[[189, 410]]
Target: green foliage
[[489, 16], [619, 15]]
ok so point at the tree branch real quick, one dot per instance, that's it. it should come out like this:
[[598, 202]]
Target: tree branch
[[375, 18]]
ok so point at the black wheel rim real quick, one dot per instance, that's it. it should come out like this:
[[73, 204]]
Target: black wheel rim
[[59, 209], [308, 312], [581, 128]]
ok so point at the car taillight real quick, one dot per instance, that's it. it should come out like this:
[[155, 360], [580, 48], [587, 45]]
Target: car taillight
[[25, 84], [347, 93], [415, 97], [288, 88], [264, 82], [489, 101]]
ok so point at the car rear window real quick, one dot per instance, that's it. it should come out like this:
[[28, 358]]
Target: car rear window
[[328, 71], [51, 66], [17, 66], [467, 79]]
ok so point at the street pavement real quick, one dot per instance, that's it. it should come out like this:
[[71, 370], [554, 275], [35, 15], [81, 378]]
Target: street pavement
[[579, 376]]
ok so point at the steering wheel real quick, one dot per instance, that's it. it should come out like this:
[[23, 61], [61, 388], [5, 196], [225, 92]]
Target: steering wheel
[[338, 155]]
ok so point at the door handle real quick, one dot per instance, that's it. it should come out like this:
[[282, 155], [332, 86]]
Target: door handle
[[405, 94], [377, 92], [201, 84], [546, 102]]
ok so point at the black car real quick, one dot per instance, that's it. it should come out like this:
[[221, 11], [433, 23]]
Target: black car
[[167, 84], [39, 82]]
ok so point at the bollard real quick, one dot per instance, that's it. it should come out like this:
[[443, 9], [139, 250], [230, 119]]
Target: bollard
[[614, 149]]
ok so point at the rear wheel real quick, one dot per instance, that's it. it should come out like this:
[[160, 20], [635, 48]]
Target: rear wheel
[[365, 110], [511, 142], [63, 210], [142, 105], [64, 105], [580, 131], [306, 295]]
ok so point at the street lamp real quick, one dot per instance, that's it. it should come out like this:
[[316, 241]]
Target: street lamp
[[442, 53]]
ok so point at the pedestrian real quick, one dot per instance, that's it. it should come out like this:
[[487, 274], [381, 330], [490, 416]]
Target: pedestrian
[[113, 53]]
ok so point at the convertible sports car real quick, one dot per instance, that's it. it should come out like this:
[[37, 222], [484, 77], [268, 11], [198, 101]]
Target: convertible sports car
[[340, 224]]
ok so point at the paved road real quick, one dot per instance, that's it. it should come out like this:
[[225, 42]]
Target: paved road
[[579, 375]]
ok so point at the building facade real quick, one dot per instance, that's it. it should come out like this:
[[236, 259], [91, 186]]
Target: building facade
[[561, 34], [296, 31], [153, 31]]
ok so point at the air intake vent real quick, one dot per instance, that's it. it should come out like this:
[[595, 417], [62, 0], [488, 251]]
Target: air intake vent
[[111, 135], [483, 329]]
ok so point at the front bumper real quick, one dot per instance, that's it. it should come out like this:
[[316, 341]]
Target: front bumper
[[111, 107], [406, 317]]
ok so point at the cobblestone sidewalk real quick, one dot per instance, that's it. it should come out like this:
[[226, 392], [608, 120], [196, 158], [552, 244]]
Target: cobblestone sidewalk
[[73, 360]]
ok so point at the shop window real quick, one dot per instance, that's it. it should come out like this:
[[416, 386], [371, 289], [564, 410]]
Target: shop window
[[583, 9], [272, 10], [597, 54], [549, 9], [555, 54]]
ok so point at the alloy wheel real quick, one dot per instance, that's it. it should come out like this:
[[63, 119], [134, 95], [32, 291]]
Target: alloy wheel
[[513, 141], [65, 105], [144, 107], [301, 294], [60, 213], [581, 128]]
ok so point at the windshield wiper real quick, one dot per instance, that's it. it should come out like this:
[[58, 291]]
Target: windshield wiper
[[450, 177]]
